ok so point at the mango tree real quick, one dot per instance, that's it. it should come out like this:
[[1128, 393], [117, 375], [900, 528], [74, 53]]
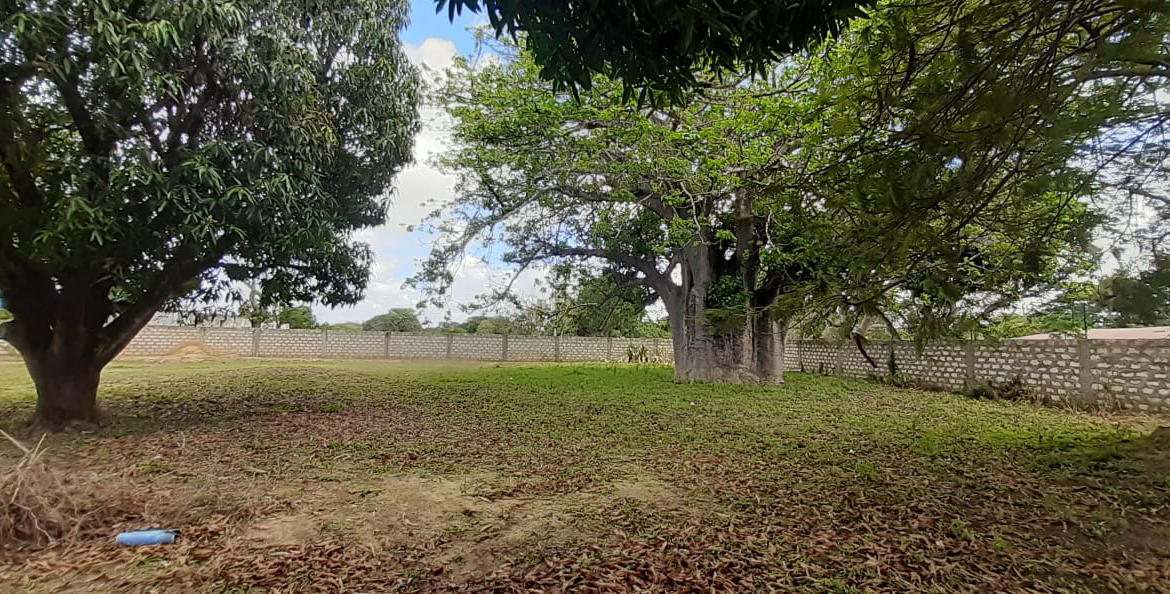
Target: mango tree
[[156, 150]]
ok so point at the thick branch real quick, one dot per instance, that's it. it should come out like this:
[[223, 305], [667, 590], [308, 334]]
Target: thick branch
[[13, 153], [1150, 195], [178, 271], [1125, 73], [13, 333], [31, 296], [657, 281], [75, 104]]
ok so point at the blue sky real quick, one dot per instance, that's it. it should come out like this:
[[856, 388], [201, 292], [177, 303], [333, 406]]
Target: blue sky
[[425, 23]]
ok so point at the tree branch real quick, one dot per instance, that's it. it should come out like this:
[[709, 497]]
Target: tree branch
[[1150, 195], [75, 104], [32, 298], [644, 197], [13, 153], [178, 271], [1124, 73], [11, 332], [657, 281]]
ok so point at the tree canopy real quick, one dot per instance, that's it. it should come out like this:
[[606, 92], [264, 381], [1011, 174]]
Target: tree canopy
[[399, 319], [342, 327], [928, 159], [297, 318], [157, 150], [1139, 299], [1123, 299], [658, 47]]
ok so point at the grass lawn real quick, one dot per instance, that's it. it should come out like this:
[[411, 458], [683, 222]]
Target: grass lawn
[[415, 477]]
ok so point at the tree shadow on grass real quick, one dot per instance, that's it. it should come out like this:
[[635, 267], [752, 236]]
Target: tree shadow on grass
[[1146, 453], [213, 399]]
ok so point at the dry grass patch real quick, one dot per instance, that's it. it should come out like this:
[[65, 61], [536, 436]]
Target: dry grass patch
[[44, 507]]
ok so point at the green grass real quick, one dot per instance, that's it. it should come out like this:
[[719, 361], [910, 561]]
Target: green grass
[[818, 485]]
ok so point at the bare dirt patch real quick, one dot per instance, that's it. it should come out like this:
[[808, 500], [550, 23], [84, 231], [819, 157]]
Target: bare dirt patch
[[454, 528], [191, 350], [288, 529]]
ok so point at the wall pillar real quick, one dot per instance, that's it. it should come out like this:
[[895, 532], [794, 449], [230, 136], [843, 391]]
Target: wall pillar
[[450, 344], [504, 349], [1085, 360], [969, 362]]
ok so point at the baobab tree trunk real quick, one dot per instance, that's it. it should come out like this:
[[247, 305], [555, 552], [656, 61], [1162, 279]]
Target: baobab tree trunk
[[740, 351]]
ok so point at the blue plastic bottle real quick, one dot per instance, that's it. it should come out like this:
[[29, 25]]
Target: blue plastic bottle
[[147, 537]]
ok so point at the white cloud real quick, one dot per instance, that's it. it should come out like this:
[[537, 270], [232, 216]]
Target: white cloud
[[473, 277], [418, 190], [434, 52]]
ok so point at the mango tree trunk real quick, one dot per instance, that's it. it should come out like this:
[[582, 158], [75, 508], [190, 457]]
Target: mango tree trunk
[[65, 355], [66, 389]]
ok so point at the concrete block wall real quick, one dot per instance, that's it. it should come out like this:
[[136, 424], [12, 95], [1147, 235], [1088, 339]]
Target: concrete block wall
[[940, 365], [619, 348], [532, 348], [355, 345], [854, 364], [584, 348], [159, 341], [293, 344], [417, 346], [466, 347], [1128, 374], [1132, 374], [812, 356], [228, 342], [1050, 369], [162, 341]]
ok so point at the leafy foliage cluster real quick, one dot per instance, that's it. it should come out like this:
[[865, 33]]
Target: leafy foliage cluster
[[156, 151], [399, 319], [657, 48], [1139, 299], [1123, 299], [151, 148], [926, 169]]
